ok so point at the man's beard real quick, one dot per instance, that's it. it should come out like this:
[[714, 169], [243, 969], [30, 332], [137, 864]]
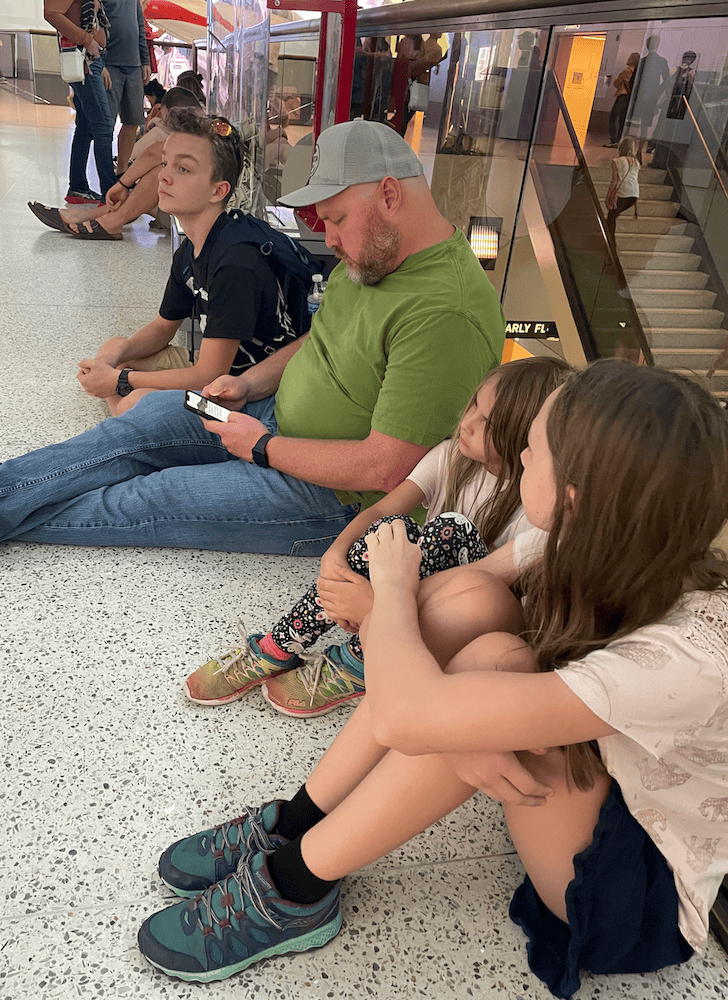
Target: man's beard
[[379, 254]]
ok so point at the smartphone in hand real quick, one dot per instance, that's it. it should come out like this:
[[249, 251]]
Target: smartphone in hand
[[206, 408]]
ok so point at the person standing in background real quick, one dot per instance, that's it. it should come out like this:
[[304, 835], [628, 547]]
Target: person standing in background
[[85, 24], [649, 86], [127, 61], [151, 33], [622, 84]]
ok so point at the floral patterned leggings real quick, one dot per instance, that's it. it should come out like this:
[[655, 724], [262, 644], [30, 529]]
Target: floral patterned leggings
[[447, 540]]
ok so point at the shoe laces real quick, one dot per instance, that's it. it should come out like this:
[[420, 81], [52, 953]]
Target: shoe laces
[[244, 879], [233, 655], [310, 673], [257, 838]]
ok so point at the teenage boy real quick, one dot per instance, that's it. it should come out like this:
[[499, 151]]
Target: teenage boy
[[236, 297]]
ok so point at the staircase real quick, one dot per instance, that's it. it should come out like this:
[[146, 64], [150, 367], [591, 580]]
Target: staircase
[[665, 279]]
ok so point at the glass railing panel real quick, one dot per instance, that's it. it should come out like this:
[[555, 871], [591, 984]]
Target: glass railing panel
[[475, 139], [601, 302]]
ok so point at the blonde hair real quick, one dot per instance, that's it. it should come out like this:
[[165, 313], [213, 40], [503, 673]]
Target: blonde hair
[[631, 148], [521, 388], [646, 451]]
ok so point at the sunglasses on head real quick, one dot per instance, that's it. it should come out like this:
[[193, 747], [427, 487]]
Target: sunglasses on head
[[221, 127]]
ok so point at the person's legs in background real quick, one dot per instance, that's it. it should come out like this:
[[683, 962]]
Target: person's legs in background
[[98, 121], [126, 99]]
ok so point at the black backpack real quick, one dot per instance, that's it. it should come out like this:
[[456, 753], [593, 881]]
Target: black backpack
[[292, 265]]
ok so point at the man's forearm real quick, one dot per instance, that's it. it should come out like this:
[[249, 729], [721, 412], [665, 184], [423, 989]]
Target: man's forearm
[[338, 465], [264, 378]]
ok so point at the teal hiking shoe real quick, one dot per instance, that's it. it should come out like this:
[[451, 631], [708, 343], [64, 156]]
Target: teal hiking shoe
[[235, 672], [333, 678], [234, 924], [193, 864]]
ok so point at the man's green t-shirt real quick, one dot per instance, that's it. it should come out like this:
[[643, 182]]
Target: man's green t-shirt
[[402, 357]]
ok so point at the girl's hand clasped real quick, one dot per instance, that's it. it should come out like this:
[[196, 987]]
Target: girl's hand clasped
[[393, 559]]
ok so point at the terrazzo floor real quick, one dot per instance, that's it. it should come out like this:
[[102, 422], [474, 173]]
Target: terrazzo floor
[[104, 761]]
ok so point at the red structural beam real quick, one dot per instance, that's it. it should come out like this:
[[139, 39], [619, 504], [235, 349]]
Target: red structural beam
[[164, 10]]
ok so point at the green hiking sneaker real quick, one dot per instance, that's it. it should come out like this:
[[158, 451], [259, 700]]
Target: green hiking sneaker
[[193, 864], [236, 923], [235, 671], [319, 686]]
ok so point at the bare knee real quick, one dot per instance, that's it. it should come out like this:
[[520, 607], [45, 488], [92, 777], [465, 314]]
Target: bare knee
[[470, 592], [494, 651]]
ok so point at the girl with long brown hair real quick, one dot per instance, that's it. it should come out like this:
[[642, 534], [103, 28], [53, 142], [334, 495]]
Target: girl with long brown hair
[[623, 652], [470, 487]]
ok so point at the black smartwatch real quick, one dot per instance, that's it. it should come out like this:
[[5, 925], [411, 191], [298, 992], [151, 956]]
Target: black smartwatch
[[259, 456], [122, 386]]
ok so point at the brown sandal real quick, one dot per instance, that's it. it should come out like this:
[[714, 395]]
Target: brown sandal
[[97, 232], [48, 216]]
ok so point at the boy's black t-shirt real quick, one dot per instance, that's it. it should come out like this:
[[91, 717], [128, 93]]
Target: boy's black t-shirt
[[238, 300]]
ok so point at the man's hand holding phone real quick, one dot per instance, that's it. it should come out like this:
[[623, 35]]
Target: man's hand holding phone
[[238, 432]]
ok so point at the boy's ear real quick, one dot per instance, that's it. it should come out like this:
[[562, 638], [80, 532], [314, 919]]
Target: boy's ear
[[222, 190]]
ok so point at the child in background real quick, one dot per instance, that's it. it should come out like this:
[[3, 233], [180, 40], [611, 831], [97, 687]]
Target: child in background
[[625, 676], [624, 189], [470, 487]]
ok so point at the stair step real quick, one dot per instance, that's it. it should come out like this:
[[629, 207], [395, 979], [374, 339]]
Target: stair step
[[659, 260], [654, 241], [651, 192], [626, 223], [661, 209], [665, 279], [684, 357], [647, 175], [671, 318], [713, 339], [669, 298]]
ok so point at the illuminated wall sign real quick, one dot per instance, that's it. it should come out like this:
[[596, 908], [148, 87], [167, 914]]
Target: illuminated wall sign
[[530, 328]]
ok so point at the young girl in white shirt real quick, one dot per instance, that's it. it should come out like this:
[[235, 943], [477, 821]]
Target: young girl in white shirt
[[470, 487], [616, 703]]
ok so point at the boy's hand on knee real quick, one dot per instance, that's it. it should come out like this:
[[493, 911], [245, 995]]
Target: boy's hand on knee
[[501, 776]]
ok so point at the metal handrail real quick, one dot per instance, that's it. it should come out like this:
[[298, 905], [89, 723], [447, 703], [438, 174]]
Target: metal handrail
[[553, 85], [434, 11], [721, 152]]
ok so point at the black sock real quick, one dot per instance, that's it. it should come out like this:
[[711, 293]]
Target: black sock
[[293, 879], [298, 815]]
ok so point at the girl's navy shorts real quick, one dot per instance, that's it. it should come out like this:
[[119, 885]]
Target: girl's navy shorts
[[622, 907]]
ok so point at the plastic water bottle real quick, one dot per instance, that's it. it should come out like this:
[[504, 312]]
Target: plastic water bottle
[[316, 293]]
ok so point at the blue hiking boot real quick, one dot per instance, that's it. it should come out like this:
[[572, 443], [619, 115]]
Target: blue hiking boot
[[193, 864], [234, 924]]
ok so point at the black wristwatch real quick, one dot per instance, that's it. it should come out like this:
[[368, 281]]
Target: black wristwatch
[[122, 386], [259, 456]]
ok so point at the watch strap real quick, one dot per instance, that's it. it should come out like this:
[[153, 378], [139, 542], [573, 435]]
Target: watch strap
[[259, 456], [122, 383]]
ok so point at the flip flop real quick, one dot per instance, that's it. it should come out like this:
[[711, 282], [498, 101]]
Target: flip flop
[[97, 232], [48, 216]]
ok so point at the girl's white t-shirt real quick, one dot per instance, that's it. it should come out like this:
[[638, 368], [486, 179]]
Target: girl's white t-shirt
[[628, 170], [431, 476], [665, 689]]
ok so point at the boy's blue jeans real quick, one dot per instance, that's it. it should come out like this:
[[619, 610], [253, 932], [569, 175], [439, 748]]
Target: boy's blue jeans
[[155, 476]]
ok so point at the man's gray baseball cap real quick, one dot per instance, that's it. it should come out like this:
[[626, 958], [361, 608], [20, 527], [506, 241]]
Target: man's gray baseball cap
[[355, 152]]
